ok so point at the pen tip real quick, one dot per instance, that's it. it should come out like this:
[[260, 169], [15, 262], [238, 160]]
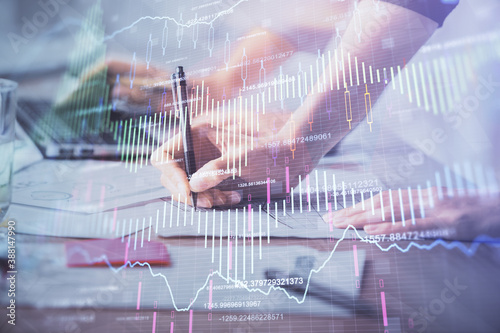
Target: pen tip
[[194, 200]]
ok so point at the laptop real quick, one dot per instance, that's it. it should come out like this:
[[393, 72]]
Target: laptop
[[88, 118], [96, 132]]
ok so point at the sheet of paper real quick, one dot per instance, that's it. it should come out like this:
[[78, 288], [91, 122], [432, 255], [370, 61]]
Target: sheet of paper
[[51, 222], [169, 219], [105, 199], [261, 221], [85, 186]]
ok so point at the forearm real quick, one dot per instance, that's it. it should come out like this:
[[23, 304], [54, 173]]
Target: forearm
[[349, 101]]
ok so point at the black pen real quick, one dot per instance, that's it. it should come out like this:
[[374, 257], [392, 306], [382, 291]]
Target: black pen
[[179, 92]]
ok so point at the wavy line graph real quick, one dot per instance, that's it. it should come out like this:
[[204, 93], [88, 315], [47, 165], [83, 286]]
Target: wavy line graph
[[469, 251], [183, 25]]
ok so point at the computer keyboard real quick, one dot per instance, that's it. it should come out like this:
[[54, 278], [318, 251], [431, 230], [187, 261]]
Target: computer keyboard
[[37, 116]]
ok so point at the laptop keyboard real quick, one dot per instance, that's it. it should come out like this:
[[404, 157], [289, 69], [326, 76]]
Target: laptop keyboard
[[35, 116]]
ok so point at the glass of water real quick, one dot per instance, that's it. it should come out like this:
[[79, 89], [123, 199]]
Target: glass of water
[[8, 105]]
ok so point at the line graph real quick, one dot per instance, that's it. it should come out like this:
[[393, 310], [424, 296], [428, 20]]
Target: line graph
[[171, 19], [469, 251]]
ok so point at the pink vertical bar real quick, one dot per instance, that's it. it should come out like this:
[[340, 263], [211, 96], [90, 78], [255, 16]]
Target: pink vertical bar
[[384, 310], [210, 295], [126, 254], [230, 255], [287, 180], [249, 217], [114, 218], [139, 296], [171, 327], [330, 216], [154, 322], [356, 268], [190, 321], [268, 190]]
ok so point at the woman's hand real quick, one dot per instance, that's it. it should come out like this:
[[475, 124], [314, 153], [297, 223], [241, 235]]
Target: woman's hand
[[115, 74], [235, 142], [464, 214], [226, 150]]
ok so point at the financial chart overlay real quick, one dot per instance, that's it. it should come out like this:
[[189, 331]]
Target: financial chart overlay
[[346, 169]]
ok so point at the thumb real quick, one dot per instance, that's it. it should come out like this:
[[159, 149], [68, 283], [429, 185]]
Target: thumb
[[210, 175]]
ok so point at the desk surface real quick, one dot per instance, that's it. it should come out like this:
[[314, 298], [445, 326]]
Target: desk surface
[[425, 290]]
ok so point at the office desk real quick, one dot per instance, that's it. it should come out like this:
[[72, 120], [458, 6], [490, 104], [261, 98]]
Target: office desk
[[414, 285]]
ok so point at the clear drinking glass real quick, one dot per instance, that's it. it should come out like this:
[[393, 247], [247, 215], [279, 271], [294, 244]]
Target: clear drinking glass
[[8, 105]]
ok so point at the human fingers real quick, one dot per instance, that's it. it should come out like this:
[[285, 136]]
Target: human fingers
[[111, 70], [374, 203], [395, 205], [209, 175], [117, 66], [170, 151], [102, 72], [382, 215], [173, 176], [176, 183], [358, 219], [407, 226], [361, 217], [116, 73], [215, 197]]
